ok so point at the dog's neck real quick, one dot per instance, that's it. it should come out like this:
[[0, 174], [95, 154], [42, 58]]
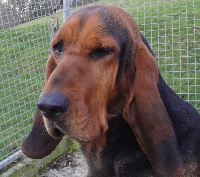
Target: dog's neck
[[97, 153]]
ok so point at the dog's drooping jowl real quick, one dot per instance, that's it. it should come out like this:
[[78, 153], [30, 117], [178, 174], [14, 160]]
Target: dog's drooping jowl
[[103, 88]]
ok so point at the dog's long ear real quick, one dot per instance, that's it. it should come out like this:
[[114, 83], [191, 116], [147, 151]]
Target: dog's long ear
[[39, 143], [146, 114]]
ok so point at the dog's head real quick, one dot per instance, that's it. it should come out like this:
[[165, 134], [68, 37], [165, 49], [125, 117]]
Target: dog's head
[[80, 87], [100, 66]]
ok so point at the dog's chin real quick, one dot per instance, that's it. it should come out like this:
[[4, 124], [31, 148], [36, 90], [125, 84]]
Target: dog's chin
[[83, 138], [57, 133], [58, 130]]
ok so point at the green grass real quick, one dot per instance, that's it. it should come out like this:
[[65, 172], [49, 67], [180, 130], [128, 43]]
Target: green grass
[[24, 50]]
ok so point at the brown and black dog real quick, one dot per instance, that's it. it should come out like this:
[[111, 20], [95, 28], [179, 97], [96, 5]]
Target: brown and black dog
[[103, 88]]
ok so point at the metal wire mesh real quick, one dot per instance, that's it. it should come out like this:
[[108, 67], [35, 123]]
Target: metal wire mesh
[[24, 36], [171, 27]]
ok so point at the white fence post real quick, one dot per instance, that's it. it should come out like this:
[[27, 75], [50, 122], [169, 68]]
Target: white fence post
[[66, 9]]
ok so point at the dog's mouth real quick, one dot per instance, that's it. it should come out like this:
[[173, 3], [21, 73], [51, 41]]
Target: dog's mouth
[[57, 133], [53, 129]]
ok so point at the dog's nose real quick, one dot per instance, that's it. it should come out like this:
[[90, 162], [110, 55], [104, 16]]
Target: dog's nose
[[52, 104]]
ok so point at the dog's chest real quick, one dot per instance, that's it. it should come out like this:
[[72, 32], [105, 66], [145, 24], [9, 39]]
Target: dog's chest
[[99, 163]]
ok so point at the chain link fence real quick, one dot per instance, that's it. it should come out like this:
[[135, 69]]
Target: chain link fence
[[171, 27]]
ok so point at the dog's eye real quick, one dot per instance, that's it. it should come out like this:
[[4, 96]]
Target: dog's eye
[[100, 52], [58, 48]]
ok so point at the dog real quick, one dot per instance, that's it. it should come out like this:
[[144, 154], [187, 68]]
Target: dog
[[103, 88]]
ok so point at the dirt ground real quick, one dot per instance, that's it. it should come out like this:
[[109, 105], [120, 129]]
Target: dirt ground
[[71, 164]]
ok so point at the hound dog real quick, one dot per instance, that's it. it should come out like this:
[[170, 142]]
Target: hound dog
[[102, 87]]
